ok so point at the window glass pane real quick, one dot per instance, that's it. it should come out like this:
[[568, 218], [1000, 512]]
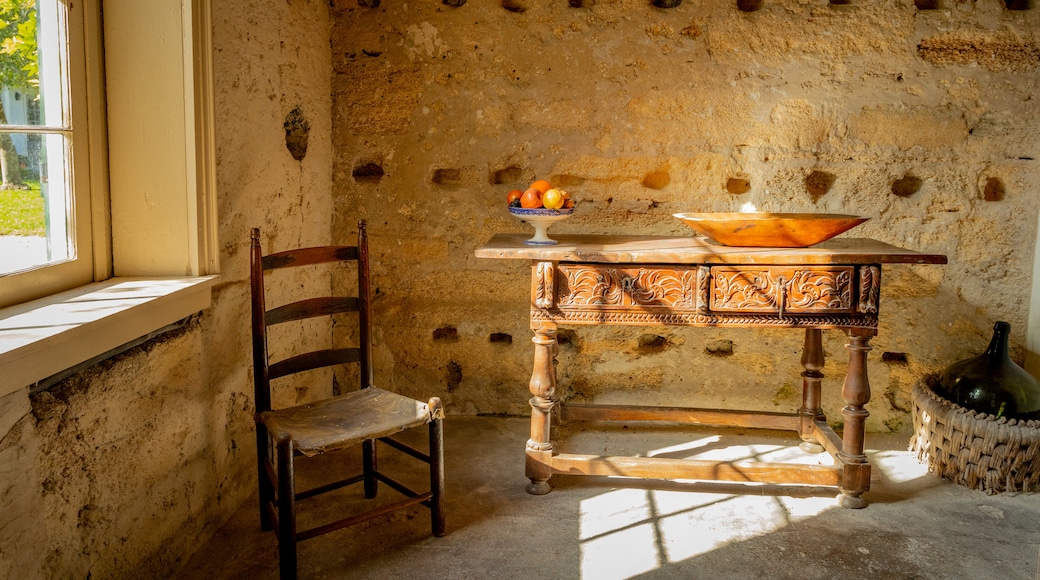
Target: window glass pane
[[35, 195], [34, 228]]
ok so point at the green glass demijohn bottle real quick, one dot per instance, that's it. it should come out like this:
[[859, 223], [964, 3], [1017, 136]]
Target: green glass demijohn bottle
[[991, 382]]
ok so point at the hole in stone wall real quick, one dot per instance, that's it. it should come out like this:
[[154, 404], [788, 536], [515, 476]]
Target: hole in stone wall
[[719, 347], [1018, 4], [453, 3], [818, 183], [652, 343], [565, 336], [926, 4], [667, 3], [993, 190], [1006, 53], [368, 3], [894, 357], [446, 333], [297, 131], [841, 2], [454, 375], [658, 179], [906, 186], [738, 185], [446, 176], [566, 180], [368, 171], [749, 5], [500, 337], [510, 174], [513, 6], [581, 3]]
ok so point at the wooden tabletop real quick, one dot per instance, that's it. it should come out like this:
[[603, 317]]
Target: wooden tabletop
[[697, 250]]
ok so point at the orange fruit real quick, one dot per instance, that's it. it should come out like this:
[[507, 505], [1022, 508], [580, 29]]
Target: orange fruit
[[531, 199], [541, 185], [513, 196], [553, 199]]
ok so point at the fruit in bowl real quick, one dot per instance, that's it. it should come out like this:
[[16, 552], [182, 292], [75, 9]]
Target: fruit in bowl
[[541, 194], [540, 205]]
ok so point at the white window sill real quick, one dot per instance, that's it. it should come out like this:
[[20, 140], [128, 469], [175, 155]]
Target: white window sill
[[41, 338]]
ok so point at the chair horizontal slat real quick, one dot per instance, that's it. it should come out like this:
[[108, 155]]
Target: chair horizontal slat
[[306, 256], [311, 308], [313, 360]]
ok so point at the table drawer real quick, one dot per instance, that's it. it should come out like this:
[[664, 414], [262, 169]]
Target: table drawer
[[585, 286], [782, 289]]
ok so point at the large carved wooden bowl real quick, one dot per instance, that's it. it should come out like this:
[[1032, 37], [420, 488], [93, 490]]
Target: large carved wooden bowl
[[773, 230]]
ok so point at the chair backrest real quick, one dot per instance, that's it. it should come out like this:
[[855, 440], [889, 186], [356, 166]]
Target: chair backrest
[[264, 369]]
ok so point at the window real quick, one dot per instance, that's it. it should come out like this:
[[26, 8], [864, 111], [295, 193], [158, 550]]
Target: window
[[141, 167], [45, 202]]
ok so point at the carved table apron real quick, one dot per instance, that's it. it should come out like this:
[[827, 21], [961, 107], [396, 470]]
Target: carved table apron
[[647, 280]]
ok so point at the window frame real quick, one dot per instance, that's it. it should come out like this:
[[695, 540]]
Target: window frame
[[90, 260]]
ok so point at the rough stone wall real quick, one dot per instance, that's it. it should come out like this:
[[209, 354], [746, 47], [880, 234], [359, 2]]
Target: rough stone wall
[[922, 119], [123, 470]]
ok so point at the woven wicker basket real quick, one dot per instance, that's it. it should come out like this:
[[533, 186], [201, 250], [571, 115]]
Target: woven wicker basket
[[973, 449]]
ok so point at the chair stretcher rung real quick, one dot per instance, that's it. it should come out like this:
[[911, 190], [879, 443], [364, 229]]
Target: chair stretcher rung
[[406, 449], [273, 515], [271, 475], [329, 487], [337, 525], [396, 485]]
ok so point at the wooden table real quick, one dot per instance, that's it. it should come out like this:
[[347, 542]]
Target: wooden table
[[689, 281]]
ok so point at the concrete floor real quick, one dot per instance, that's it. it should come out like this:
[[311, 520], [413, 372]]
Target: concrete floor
[[916, 526]]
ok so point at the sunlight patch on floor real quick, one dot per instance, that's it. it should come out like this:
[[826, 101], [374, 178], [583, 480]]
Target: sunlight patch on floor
[[737, 518], [624, 553], [628, 532], [898, 466]]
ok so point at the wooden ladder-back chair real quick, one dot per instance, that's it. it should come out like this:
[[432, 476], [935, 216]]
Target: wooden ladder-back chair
[[360, 417]]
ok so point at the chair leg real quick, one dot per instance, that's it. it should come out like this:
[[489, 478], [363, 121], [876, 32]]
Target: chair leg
[[437, 476], [368, 451], [286, 509], [266, 491]]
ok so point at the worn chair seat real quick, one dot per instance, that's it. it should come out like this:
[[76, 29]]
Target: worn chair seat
[[346, 420]]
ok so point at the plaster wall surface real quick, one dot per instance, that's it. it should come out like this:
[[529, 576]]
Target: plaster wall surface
[[421, 118], [125, 469], [923, 120]]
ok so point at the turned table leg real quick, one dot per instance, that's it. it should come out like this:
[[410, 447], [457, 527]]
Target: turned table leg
[[543, 391], [810, 412], [856, 393]]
